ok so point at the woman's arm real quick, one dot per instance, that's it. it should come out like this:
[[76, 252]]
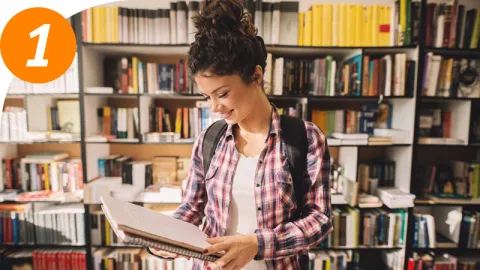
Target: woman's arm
[[290, 238], [195, 196]]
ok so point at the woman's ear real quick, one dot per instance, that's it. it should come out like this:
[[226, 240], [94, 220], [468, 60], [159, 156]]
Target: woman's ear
[[258, 75]]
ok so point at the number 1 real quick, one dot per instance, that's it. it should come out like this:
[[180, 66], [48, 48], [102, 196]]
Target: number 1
[[38, 61]]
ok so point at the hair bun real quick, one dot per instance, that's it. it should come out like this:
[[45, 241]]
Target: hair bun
[[224, 15]]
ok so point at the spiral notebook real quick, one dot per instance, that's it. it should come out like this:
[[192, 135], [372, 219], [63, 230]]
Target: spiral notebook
[[137, 225]]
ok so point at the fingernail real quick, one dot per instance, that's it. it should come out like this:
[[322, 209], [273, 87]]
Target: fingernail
[[205, 251]]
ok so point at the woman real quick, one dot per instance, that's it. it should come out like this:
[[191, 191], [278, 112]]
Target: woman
[[246, 197]]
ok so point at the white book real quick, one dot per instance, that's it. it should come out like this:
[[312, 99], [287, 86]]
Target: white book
[[440, 28], [435, 64], [333, 71], [138, 225], [182, 22], [268, 75], [276, 24], [278, 79], [173, 23], [388, 75]]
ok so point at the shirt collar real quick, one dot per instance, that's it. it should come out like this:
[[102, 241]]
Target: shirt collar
[[274, 125]]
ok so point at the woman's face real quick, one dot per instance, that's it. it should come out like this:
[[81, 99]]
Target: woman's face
[[229, 96]]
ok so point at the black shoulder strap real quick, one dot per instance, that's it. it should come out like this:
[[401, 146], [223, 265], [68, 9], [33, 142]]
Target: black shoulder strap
[[210, 141], [294, 135]]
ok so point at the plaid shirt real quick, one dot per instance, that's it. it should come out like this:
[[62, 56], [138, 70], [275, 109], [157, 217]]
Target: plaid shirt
[[280, 240]]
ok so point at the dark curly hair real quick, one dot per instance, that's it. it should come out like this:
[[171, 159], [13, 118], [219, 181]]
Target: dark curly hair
[[226, 42]]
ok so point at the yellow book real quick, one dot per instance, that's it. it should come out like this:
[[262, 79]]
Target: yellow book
[[335, 25], [113, 28], [49, 118], [381, 10], [367, 21], [476, 31], [375, 24], [307, 33], [317, 19], [96, 24], [46, 174], [107, 232], [342, 24], [301, 29], [350, 37], [358, 25], [387, 18], [135, 74], [328, 12]]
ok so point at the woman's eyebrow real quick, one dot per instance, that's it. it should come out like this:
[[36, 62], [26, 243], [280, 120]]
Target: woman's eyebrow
[[213, 92]]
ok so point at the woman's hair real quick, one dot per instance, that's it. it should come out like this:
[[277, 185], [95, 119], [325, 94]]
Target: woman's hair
[[226, 42]]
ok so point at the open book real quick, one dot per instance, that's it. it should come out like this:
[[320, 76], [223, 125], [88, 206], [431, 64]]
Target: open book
[[136, 225]]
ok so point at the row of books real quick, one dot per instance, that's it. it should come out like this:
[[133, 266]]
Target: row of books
[[67, 83], [16, 224], [121, 123], [379, 173], [355, 227], [470, 230], [132, 75], [374, 25], [424, 235], [14, 125], [49, 171], [332, 260], [456, 179], [450, 77], [60, 224], [115, 24], [452, 25], [44, 258], [441, 260], [21, 223], [134, 258], [370, 116]]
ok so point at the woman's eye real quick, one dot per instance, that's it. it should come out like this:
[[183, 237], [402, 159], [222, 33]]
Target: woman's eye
[[223, 95], [206, 98]]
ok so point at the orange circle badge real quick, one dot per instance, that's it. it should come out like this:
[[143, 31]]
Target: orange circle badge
[[38, 45]]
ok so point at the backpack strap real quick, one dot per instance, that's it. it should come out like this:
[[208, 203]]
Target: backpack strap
[[294, 134], [210, 142]]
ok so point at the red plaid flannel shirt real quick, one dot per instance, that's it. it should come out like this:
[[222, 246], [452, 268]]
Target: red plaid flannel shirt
[[280, 239]]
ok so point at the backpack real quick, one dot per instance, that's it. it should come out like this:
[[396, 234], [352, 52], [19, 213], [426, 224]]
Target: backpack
[[292, 129]]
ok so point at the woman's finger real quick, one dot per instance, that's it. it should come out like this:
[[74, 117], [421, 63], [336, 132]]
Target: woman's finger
[[226, 259], [217, 248]]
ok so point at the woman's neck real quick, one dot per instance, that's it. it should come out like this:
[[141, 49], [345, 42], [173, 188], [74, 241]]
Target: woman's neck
[[258, 122]]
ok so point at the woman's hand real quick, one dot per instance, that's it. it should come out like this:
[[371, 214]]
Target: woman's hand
[[239, 250]]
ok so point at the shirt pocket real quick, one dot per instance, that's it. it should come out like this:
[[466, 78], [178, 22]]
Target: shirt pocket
[[285, 191]]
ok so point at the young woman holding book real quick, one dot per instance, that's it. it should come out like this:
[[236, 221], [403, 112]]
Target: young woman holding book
[[246, 198]]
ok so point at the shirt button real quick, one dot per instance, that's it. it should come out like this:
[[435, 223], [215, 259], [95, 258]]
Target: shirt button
[[260, 161], [258, 185], [259, 208]]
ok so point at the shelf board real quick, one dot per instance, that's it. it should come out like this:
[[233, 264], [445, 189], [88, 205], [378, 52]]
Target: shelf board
[[41, 246], [112, 95], [53, 95], [442, 145], [445, 99], [358, 248], [182, 49], [39, 142], [454, 52], [446, 202]]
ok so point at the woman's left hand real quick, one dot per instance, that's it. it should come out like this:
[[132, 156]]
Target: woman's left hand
[[239, 250]]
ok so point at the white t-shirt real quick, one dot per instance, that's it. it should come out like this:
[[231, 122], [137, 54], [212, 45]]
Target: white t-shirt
[[242, 212]]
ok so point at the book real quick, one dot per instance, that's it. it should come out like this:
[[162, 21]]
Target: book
[[136, 225]]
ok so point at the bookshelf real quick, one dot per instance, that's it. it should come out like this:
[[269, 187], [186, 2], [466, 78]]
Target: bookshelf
[[407, 152]]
